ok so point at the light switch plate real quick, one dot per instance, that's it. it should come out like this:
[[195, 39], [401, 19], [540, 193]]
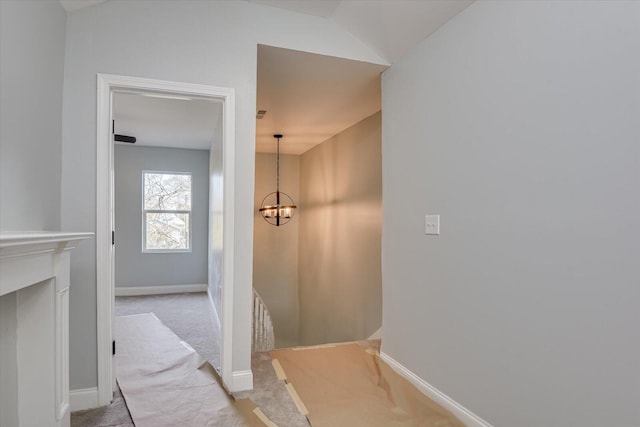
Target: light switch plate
[[432, 224]]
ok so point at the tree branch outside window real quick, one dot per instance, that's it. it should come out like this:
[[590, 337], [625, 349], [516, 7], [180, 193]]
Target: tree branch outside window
[[166, 211]]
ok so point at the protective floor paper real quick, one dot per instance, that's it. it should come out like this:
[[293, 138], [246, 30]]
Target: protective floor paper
[[166, 383], [348, 386]]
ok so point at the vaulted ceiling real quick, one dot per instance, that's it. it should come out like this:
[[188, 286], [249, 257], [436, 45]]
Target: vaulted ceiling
[[389, 27], [308, 98]]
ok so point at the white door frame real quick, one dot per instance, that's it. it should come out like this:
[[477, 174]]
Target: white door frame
[[106, 85]]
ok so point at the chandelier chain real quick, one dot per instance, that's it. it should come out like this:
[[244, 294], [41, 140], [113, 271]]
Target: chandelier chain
[[278, 166], [280, 212]]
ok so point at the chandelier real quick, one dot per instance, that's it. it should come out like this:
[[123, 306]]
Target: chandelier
[[277, 208]]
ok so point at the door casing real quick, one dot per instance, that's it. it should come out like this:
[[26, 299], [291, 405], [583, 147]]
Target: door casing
[[107, 84]]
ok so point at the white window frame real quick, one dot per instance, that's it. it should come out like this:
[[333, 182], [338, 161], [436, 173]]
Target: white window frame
[[146, 250]]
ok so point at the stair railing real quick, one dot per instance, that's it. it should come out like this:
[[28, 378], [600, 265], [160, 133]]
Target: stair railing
[[263, 338]]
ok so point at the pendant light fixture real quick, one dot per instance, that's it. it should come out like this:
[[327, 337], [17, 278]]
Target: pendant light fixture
[[277, 208]]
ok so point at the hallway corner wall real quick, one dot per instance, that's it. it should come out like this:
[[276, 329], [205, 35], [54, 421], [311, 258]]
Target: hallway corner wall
[[340, 236], [275, 249]]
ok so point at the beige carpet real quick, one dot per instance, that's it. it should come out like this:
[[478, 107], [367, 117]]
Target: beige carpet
[[166, 383], [189, 316]]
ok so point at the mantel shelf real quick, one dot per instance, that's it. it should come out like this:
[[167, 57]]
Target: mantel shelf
[[24, 242], [26, 256], [34, 268]]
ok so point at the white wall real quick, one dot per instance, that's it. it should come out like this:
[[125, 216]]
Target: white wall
[[340, 236], [519, 123], [134, 268], [211, 43], [32, 43], [275, 249]]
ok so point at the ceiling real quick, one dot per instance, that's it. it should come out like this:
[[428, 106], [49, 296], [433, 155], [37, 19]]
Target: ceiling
[[308, 97], [389, 27], [178, 122], [73, 5]]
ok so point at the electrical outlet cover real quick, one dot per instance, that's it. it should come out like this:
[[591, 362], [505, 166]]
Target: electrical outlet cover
[[432, 224]]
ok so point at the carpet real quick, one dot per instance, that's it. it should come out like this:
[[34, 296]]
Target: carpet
[[190, 317], [166, 383]]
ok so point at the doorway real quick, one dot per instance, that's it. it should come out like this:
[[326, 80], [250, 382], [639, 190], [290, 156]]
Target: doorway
[[319, 275], [220, 288]]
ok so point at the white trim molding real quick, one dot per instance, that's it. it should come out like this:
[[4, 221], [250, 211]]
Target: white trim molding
[[83, 398], [105, 262], [127, 291], [463, 414], [107, 84], [36, 267], [241, 380]]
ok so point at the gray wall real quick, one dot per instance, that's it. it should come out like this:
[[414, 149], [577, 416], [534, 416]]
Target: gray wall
[[340, 236], [519, 123], [8, 360], [213, 43], [275, 249], [134, 268], [32, 46]]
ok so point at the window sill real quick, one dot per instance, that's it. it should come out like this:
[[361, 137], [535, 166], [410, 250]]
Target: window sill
[[166, 251]]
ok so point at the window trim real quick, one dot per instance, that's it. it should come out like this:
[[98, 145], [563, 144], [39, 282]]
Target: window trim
[[146, 250]]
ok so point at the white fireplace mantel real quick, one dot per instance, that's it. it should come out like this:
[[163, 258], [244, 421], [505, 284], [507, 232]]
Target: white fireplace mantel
[[34, 287]]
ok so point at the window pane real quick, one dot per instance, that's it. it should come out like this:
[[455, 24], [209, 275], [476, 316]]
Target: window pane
[[167, 231], [165, 191]]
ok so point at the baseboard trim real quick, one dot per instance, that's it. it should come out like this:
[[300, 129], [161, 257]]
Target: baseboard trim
[[463, 414], [128, 291], [241, 381], [83, 398]]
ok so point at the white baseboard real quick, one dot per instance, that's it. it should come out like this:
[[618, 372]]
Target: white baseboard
[[241, 381], [84, 398], [126, 291], [463, 414]]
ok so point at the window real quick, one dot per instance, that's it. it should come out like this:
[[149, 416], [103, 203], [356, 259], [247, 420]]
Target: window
[[166, 211]]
